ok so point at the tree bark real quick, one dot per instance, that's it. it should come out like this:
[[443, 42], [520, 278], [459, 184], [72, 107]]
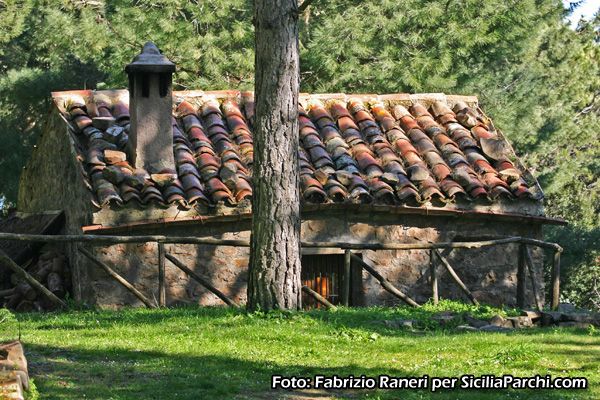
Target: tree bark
[[274, 269]]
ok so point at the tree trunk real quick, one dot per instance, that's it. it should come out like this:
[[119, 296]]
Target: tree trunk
[[274, 270]]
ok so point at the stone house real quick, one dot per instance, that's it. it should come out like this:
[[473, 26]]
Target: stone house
[[393, 168]]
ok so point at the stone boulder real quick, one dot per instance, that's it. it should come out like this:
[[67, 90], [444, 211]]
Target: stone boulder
[[13, 370]]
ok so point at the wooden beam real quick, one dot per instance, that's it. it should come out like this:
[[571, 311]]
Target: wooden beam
[[411, 246], [450, 270], [318, 297], [162, 291], [116, 276], [542, 244], [533, 277], [200, 280], [304, 6], [521, 278], [347, 265], [385, 283], [555, 280], [434, 283], [246, 243], [38, 286], [122, 239]]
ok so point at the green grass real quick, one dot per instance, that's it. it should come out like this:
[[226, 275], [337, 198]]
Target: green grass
[[220, 353]]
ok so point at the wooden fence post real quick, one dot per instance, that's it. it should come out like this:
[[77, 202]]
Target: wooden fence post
[[533, 277], [555, 280], [347, 264], [434, 283], [521, 278], [162, 291]]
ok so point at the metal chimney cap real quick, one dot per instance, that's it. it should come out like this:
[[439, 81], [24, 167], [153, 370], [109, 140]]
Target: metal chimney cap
[[150, 60]]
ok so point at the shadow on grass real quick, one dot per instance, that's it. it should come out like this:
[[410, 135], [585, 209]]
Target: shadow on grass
[[70, 373], [106, 363]]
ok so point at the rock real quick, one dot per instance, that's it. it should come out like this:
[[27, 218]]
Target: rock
[[565, 307], [533, 315], [114, 156], [497, 320], [418, 173], [229, 176], [103, 123], [495, 328], [11, 387], [13, 362], [344, 177], [390, 178], [135, 181], [521, 322], [113, 174], [467, 117], [400, 324], [551, 318], [477, 323], [113, 134], [444, 320], [445, 313], [593, 319], [495, 149], [321, 176], [574, 324], [163, 180], [466, 328], [508, 324]]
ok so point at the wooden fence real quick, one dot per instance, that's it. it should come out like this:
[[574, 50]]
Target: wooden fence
[[525, 265]]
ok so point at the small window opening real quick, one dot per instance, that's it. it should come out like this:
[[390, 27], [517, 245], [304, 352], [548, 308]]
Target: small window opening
[[325, 275], [164, 84]]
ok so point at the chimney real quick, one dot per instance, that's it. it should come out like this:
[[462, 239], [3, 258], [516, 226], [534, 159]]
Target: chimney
[[150, 102]]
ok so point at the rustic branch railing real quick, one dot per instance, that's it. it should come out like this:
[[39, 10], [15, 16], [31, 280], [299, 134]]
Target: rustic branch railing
[[201, 280], [318, 298], [452, 273], [161, 240], [116, 276], [384, 282]]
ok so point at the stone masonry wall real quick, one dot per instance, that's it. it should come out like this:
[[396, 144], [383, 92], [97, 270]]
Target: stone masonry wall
[[490, 273], [52, 181]]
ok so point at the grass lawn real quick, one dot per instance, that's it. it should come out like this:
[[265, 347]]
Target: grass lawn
[[220, 353]]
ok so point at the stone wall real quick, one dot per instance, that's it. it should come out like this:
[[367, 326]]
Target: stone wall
[[490, 273], [52, 181]]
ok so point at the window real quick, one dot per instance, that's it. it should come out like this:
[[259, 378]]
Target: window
[[323, 273]]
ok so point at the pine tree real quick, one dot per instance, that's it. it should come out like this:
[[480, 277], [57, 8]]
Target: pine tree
[[274, 267]]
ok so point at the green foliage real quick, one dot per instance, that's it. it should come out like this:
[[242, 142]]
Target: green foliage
[[85, 45], [519, 352], [417, 45], [32, 393], [9, 325]]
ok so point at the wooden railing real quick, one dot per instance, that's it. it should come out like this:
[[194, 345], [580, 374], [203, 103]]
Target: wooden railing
[[525, 263]]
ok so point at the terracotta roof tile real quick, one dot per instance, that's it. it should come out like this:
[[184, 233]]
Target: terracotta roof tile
[[352, 149]]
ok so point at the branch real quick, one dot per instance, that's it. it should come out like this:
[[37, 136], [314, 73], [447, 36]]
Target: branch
[[304, 6]]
